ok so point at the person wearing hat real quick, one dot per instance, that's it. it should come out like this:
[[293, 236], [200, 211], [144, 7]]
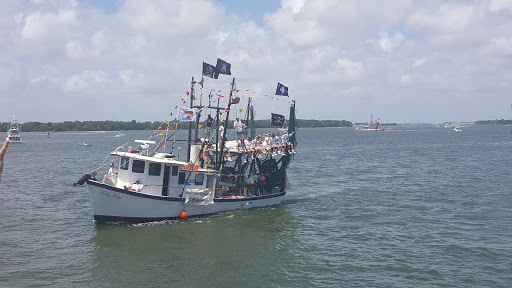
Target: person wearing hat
[[112, 174]]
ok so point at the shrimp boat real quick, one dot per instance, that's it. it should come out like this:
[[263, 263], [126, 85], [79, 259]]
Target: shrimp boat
[[372, 125], [13, 134], [216, 176]]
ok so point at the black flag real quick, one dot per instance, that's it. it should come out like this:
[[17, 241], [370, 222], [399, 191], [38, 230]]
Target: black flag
[[281, 90], [277, 120], [209, 71], [223, 67]]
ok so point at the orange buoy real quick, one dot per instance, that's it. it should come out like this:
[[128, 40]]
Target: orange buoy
[[184, 215]]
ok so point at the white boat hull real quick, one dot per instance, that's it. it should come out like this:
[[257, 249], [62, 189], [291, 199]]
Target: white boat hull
[[111, 203]]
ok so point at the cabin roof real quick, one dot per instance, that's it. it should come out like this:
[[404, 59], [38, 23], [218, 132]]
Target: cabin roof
[[147, 158], [158, 160]]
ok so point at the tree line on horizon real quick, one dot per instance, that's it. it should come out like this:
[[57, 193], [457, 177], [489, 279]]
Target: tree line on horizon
[[494, 122], [109, 125]]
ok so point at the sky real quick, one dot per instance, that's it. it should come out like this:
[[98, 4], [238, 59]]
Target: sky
[[398, 60]]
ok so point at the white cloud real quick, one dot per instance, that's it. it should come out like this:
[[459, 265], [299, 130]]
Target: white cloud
[[496, 5], [295, 5], [38, 26], [418, 62], [85, 80], [448, 18], [170, 18], [350, 68], [430, 49], [500, 46], [405, 79], [387, 44], [129, 76]]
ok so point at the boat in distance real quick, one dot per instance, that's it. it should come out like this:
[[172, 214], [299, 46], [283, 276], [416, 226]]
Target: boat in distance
[[14, 134], [372, 125]]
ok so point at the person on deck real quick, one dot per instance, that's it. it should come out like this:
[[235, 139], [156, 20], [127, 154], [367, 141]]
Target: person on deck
[[266, 144], [279, 143], [273, 144], [206, 155], [209, 122], [238, 128], [2, 153], [135, 186], [221, 135], [286, 142], [112, 174]]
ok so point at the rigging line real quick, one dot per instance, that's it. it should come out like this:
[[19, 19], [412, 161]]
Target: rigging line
[[168, 137], [108, 155]]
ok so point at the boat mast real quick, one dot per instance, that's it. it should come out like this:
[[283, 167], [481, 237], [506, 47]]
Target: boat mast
[[292, 124], [224, 138], [248, 113], [190, 124], [250, 125]]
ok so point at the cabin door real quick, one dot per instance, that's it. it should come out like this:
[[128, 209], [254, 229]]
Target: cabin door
[[173, 181], [165, 182]]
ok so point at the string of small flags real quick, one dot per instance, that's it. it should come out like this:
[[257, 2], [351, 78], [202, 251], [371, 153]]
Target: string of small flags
[[240, 90]]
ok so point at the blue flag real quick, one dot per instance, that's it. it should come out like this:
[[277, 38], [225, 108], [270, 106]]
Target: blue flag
[[281, 90]]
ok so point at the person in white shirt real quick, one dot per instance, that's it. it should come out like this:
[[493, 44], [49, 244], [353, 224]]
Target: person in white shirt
[[266, 142], [135, 186], [273, 144], [249, 146], [279, 143], [258, 145], [221, 135], [238, 128], [286, 142], [112, 174]]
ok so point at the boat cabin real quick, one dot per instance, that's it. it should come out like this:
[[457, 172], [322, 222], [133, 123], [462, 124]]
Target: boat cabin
[[161, 174]]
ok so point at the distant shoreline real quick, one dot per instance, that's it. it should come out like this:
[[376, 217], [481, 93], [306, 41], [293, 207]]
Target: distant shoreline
[[116, 126], [113, 126], [494, 122]]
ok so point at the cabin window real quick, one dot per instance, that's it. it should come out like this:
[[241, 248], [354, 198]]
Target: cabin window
[[138, 166], [181, 178], [154, 169], [174, 170], [124, 163], [209, 181], [199, 179]]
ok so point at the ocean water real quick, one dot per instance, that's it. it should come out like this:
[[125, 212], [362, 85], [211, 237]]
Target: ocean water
[[416, 206]]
